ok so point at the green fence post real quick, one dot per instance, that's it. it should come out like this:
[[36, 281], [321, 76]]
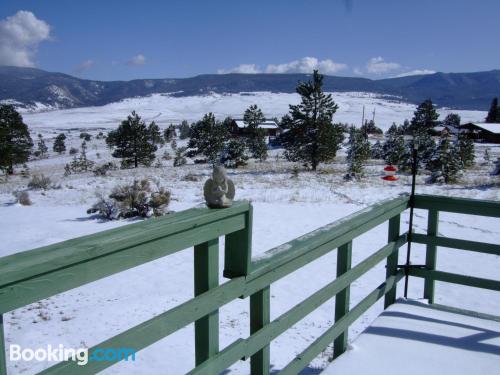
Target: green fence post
[[238, 250], [392, 260], [431, 254], [3, 359], [344, 257], [206, 276], [259, 317]]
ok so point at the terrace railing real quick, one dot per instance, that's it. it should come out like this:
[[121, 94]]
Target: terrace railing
[[37, 274]]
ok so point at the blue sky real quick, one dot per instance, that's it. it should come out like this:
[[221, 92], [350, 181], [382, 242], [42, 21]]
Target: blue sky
[[122, 40]]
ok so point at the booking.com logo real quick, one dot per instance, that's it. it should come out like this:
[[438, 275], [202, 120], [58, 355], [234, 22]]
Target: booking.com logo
[[79, 355]]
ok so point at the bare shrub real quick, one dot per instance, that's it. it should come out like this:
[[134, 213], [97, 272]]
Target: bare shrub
[[190, 177], [23, 198], [103, 169], [40, 181]]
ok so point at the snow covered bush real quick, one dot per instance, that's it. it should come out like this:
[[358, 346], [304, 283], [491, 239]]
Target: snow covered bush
[[102, 170], [357, 153], [40, 181], [80, 163], [23, 198], [179, 159], [140, 198], [234, 154]]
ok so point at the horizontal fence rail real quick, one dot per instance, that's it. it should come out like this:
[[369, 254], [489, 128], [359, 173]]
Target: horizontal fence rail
[[37, 274]]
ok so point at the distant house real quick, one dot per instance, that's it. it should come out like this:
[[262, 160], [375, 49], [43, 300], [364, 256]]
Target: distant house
[[270, 128], [482, 131]]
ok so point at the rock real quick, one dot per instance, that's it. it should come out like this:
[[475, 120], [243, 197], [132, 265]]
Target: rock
[[219, 190]]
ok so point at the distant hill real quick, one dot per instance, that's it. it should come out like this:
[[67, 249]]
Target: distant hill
[[454, 90]]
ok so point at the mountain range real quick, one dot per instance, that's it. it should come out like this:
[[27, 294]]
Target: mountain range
[[28, 86]]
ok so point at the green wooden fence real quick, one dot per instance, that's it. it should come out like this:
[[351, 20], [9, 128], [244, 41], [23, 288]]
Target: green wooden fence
[[40, 273]]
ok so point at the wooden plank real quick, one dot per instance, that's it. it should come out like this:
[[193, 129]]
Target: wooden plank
[[344, 259], [206, 277], [455, 278], [392, 260], [154, 329], [458, 205], [247, 347], [332, 235], [303, 359], [3, 359], [238, 249], [431, 253], [456, 243], [27, 264], [47, 284], [260, 315]]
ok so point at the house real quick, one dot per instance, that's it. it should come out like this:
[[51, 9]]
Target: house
[[271, 129], [482, 131]]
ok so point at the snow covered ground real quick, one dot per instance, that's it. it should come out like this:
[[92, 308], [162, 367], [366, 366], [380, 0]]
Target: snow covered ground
[[284, 208]]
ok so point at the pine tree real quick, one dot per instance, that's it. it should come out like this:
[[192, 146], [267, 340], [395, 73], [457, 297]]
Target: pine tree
[[426, 148], [445, 163], [155, 134], [453, 120], [59, 146], [15, 140], [184, 130], [465, 149], [208, 138], [234, 154], [358, 151], [42, 148], [394, 150], [169, 133], [377, 151], [424, 118], [256, 137], [494, 112], [132, 142], [312, 137]]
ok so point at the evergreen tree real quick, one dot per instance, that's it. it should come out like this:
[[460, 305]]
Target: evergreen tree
[[369, 127], [453, 120], [184, 130], [180, 159], [465, 149], [394, 150], [42, 148], [234, 154], [208, 138], [377, 151], [169, 133], [256, 137], [426, 148], [424, 118], [155, 134], [59, 145], [311, 136], [358, 151], [15, 140], [445, 163], [132, 142], [494, 112]]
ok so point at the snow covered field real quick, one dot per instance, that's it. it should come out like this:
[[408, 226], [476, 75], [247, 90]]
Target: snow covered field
[[166, 109], [284, 208]]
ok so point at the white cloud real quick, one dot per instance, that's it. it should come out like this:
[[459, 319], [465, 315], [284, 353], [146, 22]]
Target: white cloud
[[416, 72], [243, 68], [307, 65], [20, 36], [304, 65], [138, 59], [357, 71], [377, 65], [86, 65]]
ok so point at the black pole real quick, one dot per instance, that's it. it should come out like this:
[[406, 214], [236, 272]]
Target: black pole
[[412, 205]]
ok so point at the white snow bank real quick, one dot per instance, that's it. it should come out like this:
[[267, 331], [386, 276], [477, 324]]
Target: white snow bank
[[416, 339]]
